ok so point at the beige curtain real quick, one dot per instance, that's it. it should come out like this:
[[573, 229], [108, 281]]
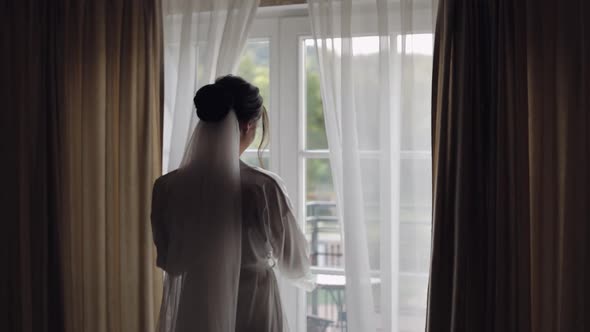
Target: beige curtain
[[511, 161], [111, 137]]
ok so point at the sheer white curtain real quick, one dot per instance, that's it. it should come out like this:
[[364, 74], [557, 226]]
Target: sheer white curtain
[[375, 68], [203, 40]]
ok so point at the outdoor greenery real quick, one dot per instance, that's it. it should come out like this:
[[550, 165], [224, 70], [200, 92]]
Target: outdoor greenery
[[316, 130], [415, 128], [318, 175], [254, 66]]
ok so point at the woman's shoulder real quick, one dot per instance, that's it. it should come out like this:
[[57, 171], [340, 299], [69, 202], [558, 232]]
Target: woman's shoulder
[[258, 182], [257, 176], [165, 179]]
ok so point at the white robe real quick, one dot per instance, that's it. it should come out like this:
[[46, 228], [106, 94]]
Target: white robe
[[229, 283]]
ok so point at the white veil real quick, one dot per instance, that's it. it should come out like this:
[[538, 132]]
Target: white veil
[[202, 250]]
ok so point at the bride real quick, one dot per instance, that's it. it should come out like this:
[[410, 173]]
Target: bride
[[222, 227]]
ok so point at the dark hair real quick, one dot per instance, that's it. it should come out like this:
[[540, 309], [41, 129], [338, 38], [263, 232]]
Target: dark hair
[[214, 101]]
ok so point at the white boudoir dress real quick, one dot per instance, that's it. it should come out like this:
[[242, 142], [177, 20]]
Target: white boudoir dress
[[199, 299]]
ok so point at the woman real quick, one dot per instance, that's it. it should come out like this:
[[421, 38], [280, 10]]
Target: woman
[[221, 226]]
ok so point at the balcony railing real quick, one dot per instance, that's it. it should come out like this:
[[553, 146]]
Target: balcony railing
[[326, 305]]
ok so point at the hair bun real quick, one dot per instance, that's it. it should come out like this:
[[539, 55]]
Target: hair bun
[[213, 103]]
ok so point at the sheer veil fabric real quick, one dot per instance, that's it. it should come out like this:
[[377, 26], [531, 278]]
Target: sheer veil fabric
[[196, 220]]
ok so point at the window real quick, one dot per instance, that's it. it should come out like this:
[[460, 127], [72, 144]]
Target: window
[[325, 305], [280, 58]]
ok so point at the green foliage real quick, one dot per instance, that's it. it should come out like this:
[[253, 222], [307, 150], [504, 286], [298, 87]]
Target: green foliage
[[254, 68], [319, 180], [319, 176], [316, 129], [254, 72]]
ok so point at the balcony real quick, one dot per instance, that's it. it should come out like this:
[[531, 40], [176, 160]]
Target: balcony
[[326, 306]]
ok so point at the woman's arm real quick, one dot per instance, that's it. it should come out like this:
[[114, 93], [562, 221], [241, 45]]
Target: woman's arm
[[159, 231], [289, 245]]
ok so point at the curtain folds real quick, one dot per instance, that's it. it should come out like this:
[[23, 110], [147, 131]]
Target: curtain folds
[[81, 144], [375, 66], [111, 137], [30, 278], [203, 39], [558, 68], [511, 156]]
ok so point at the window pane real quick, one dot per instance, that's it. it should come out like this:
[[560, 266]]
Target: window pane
[[251, 158], [414, 248], [372, 187], [365, 70], [323, 229], [326, 304], [326, 309], [315, 129], [413, 291], [415, 119], [254, 67], [416, 190], [416, 111], [319, 185]]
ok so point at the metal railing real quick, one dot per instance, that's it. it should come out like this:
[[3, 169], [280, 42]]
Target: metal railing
[[321, 220], [326, 304]]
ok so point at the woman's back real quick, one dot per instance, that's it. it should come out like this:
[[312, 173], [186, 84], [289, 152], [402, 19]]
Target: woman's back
[[200, 251], [270, 238], [220, 226]]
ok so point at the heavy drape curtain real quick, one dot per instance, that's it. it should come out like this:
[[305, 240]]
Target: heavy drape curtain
[[511, 154], [372, 55], [30, 278], [203, 40], [111, 138], [81, 146]]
